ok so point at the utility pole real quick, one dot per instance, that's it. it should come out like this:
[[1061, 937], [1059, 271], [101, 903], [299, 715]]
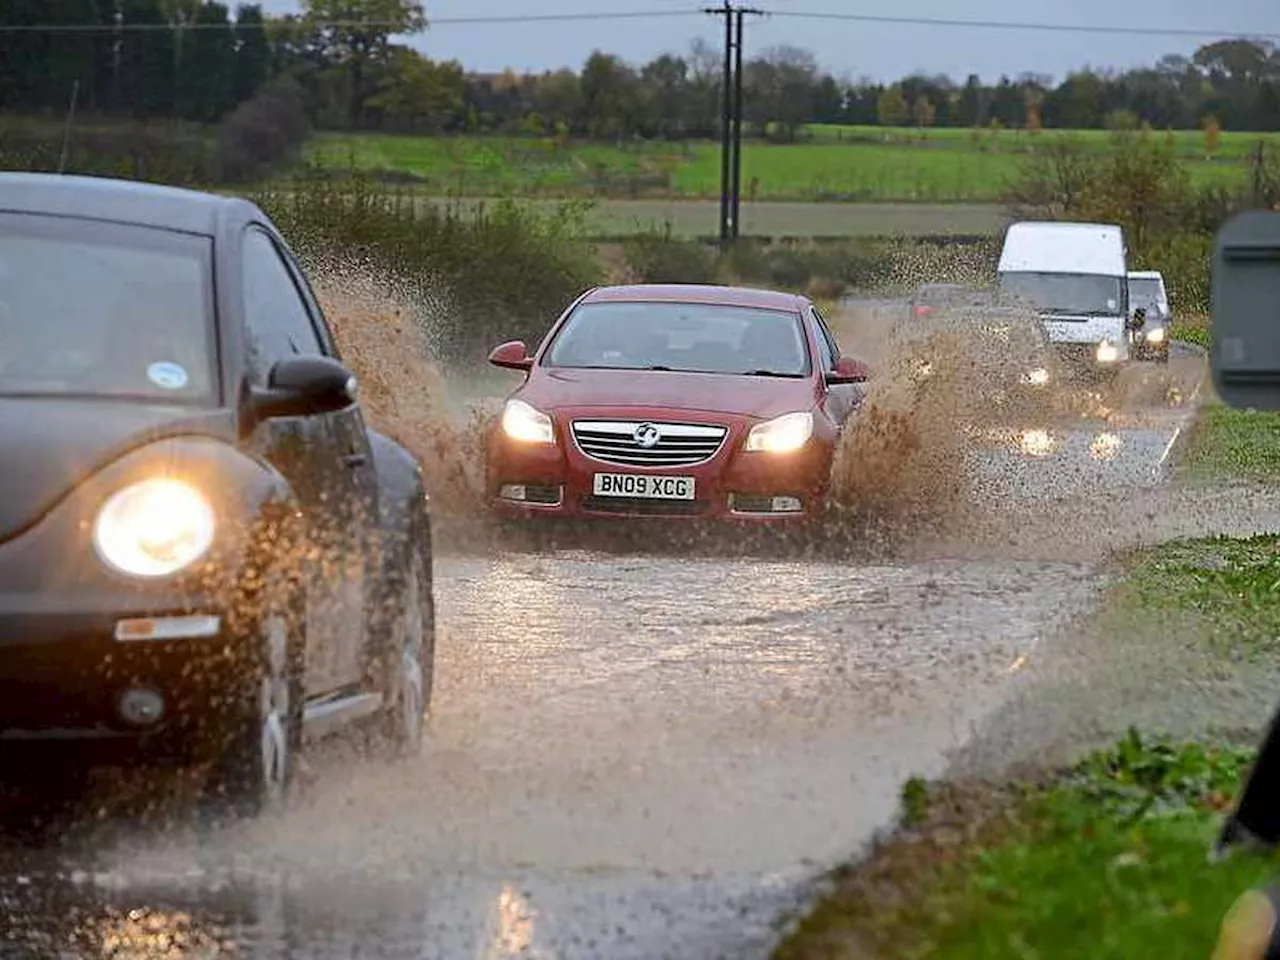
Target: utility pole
[[731, 119]]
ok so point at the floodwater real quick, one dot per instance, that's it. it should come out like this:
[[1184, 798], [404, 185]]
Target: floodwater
[[636, 755]]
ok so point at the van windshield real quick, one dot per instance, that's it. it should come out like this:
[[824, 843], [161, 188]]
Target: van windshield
[[1145, 292], [1077, 294]]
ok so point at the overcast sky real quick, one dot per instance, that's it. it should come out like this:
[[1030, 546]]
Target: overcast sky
[[881, 51]]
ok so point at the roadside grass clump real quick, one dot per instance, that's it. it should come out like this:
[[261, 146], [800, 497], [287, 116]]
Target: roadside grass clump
[[1229, 445], [1105, 859], [1229, 586], [1192, 328], [487, 273]]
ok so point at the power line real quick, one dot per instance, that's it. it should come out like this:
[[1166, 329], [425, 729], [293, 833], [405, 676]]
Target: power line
[[526, 18], [535, 18], [1023, 25]]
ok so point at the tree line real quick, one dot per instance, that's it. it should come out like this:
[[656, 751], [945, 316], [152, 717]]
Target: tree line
[[200, 60]]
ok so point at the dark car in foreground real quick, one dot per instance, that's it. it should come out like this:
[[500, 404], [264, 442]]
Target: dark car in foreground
[[205, 553], [674, 401]]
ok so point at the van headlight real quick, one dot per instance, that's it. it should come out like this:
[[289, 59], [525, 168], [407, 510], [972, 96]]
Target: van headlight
[[154, 528], [527, 424], [784, 434], [1108, 353]]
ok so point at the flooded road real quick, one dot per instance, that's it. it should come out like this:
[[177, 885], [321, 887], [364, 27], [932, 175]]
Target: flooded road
[[630, 756]]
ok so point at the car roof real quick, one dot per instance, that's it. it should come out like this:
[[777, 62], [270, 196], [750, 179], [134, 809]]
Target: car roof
[[698, 293], [118, 201], [1058, 247]]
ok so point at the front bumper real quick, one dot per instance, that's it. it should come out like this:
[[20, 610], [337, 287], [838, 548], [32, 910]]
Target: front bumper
[[98, 682], [550, 481], [1083, 357], [1147, 349]]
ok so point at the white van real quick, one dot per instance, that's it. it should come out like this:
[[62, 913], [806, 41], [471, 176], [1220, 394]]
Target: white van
[[1076, 278]]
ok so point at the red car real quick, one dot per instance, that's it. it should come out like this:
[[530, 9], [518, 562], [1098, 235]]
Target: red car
[[674, 401]]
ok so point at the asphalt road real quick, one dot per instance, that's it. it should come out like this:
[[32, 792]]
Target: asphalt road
[[631, 756]]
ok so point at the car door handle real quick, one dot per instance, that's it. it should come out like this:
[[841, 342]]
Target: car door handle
[[355, 460]]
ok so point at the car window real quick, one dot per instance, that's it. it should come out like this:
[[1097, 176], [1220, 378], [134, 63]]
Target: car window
[[1146, 292], [689, 337], [278, 323], [828, 352], [105, 310]]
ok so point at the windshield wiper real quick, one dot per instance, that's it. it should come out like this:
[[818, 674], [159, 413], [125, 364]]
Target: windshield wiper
[[772, 373]]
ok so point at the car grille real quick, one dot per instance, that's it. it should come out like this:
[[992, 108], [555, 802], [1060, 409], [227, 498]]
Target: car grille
[[1077, 352], [645, 508], [677, 445]]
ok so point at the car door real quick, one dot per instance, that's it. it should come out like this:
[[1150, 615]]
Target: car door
[[839, 398], [312, 453]]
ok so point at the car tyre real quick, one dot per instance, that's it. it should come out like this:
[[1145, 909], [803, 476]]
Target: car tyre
[[410, 652], [255, 768]]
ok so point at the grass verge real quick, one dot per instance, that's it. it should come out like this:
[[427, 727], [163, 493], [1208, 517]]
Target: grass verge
[[1230, 444], [1193, 329], [1106, 858]]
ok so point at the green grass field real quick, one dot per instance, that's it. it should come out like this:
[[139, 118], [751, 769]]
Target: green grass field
[[863, 164], [1189, 144]]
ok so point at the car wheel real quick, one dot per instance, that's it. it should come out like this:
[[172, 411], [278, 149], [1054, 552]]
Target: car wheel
[[263, 734], [411, 656]]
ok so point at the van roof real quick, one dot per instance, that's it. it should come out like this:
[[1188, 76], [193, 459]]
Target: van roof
[[1051, 247]]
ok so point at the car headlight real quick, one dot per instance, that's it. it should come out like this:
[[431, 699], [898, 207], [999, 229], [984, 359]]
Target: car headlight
[[1037, 377], [526, 424], [1155, 335], [154, 528], [1107, 353], [784, 434]]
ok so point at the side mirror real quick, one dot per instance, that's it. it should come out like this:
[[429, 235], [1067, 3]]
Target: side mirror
[[848, 370], [303, 386], [1139, 319], [512, 355]]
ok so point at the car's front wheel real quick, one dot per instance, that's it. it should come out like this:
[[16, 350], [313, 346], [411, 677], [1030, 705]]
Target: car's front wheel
[[411, 651], [263, 726]]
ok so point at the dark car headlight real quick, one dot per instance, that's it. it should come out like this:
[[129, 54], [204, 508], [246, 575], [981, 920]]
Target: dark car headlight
[[154, 528]]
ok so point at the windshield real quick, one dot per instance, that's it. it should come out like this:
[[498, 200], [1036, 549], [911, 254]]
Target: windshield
[[1144, 292], [1080, 294], [687, 337], [104, 310]]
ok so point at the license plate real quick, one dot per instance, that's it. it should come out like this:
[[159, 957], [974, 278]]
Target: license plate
[[643, 486]]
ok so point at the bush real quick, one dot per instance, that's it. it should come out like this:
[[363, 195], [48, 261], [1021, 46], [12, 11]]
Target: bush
[[262, 132], [158, 151], [659, 257], [1140, 184], [483, 274]]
